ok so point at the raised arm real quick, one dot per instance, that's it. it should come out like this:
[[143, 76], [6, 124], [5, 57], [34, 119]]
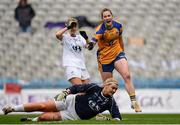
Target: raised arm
[[69, 25], [59, 33]]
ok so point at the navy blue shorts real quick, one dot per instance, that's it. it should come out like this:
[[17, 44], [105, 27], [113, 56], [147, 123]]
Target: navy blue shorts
[[110, 67]]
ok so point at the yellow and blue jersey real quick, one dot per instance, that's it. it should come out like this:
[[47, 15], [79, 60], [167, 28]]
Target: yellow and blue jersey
[[109, 41]]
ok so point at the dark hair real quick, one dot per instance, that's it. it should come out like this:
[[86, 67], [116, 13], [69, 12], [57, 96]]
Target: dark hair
[[20, 1], [105, 9]]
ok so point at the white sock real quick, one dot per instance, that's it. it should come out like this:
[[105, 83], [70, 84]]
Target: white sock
[[18, 108], [35, 119]]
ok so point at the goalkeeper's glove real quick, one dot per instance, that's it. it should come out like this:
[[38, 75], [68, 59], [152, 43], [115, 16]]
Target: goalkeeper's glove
[[102, 117], [83, 34], [61, 96]]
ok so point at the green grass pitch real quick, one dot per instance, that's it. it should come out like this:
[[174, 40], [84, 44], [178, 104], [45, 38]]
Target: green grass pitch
[[127, 119]]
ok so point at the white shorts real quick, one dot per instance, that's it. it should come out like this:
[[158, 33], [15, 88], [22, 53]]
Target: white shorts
[[76, 72], [67, 108]]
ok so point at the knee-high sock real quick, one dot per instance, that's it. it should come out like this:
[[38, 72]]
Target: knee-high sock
[[19, 108]]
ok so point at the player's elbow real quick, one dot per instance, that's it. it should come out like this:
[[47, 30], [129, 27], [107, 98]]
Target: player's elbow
[[58, 36]]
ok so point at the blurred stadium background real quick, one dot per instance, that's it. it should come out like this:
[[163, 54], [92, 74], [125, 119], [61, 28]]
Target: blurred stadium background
[[151, 36]]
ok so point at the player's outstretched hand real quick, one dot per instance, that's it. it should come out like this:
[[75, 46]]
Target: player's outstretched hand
[[90, 45]]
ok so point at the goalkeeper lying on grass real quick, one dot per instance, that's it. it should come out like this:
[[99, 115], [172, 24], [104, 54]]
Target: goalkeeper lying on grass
[[75, 107]]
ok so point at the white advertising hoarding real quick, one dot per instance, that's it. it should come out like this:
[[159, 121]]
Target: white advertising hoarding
[[151, 100]]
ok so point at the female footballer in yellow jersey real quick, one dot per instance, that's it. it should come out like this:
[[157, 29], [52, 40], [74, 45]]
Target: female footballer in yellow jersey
[[110, 54]]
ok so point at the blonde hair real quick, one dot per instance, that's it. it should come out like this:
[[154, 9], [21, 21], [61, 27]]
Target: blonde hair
[[71, 19], [111, 81]]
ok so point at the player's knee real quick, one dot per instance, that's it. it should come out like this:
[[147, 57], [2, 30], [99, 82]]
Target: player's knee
[[42, 117], [127, 77]]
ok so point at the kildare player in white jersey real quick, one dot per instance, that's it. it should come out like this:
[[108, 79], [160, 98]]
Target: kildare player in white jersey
[[73, 58]]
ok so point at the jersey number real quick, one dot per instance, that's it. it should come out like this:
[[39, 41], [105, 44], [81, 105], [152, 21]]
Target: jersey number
[[77, 48]]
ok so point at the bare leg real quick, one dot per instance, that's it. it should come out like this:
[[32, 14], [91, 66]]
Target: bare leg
[[50, 116], [122, 67], [47, 106], [47, 116], [106, 75], [75, 81]]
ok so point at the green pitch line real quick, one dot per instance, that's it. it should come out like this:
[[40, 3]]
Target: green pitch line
[[127, 119]]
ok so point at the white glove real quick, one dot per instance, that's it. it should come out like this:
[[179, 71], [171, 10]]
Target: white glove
[[102, 117], [61, 96]]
